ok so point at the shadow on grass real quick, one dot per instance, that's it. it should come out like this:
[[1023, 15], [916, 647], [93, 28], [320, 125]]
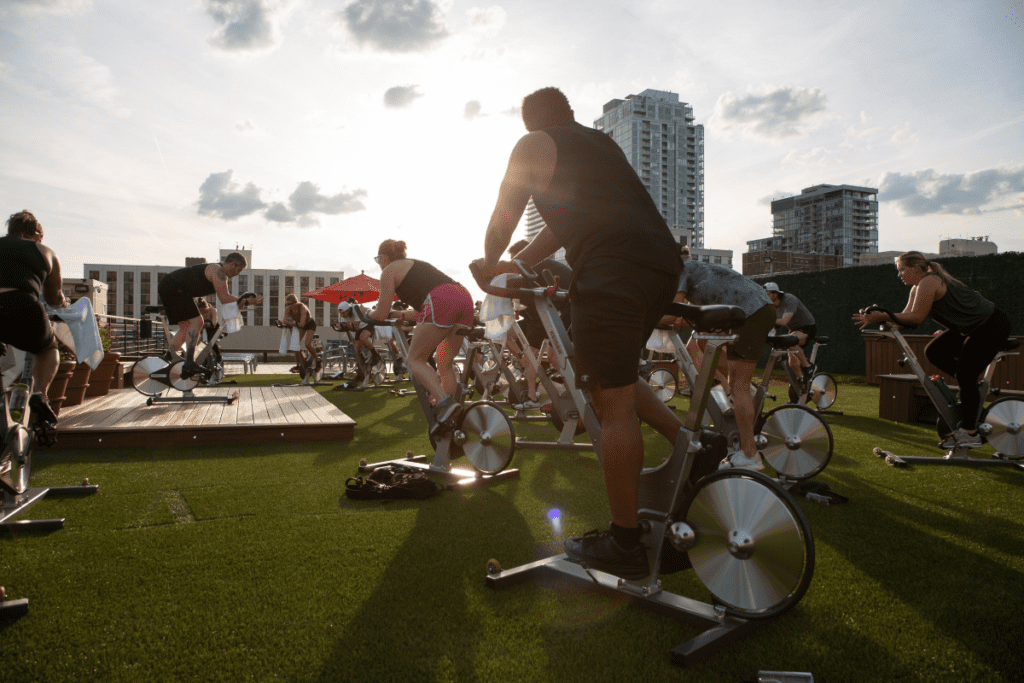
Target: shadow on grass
[[960, 591], [399, 633]]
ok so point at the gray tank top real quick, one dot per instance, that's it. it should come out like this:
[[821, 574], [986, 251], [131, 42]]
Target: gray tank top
[[961, 309], [709, 283]]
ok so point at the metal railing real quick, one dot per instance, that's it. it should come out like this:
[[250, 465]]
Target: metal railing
[[126, 336]]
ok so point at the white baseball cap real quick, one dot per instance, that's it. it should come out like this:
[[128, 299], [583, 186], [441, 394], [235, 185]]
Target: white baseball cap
[[344, 306], [772, 287]]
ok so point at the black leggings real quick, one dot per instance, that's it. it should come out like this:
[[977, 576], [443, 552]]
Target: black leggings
[[966, 359]]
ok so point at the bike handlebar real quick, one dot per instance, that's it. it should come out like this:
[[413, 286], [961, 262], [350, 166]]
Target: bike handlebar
[[514, 288]]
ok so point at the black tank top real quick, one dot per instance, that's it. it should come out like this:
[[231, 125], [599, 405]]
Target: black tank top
[[22, 266], [597, 205], [418, 282], [191, 280], [961, 309]]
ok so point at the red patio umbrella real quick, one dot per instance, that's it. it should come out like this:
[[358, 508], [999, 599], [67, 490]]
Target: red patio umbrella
[[361, 287]]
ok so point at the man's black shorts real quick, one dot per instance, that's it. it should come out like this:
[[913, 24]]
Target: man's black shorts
[[25, 323], [615, 306], [179, 304], [810, 330]]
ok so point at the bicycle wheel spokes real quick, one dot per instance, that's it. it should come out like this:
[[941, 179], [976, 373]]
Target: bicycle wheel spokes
[[799, 441], [490, 437], [754, 550], [140, 375]]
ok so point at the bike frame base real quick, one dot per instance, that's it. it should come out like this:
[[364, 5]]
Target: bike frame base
[[955, 457], [553, 445], [189, 397], [464, 477], [12, 609], [720, 629], [14, 505]]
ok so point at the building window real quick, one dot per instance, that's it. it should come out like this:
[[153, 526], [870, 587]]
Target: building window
[[94, 275], [718, 259]]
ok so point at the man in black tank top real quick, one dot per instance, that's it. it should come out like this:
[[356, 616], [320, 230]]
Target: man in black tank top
[[29, 270], [625, 266], [179, 289]]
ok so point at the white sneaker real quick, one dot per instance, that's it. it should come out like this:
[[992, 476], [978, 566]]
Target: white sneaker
[[741, 461], [305, 382], [528, 405]]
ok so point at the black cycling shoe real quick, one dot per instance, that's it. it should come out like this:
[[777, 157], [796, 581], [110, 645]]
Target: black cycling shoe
[[41, 409], [445, 415], [600, 550]]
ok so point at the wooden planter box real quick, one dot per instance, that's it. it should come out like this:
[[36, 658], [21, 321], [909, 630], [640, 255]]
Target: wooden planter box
[[883, 354]]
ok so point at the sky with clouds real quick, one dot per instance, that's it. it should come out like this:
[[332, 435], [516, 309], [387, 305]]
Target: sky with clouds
[[310, 130]]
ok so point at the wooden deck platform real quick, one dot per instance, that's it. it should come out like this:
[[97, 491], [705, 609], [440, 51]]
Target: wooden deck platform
[[121, 419]]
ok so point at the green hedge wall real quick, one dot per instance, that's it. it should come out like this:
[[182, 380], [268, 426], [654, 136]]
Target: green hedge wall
[[833, 296]]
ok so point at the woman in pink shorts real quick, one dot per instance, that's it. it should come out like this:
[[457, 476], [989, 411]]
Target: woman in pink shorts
[[442, 306]]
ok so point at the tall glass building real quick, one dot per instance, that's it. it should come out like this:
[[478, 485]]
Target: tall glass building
[[666, 148]]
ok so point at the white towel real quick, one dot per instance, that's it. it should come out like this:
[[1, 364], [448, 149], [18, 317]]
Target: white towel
[[291, 340], [661, 341], [496, 312], [84, 332]]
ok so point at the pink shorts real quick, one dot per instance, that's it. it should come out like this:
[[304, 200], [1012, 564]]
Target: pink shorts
[[447, 305]]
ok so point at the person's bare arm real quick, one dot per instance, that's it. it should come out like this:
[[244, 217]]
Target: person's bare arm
[[52, 285], [530, 169], [388, 285], [541, 247], [215, 274]]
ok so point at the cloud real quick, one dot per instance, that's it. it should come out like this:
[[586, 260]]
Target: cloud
[[395, 25], [472, 110], [51, 6], [926, 192], [246, 25], [220, 197], [778, 113], [902, 135], [776, 194], [400, 96], [486, 17], [818, 155], [307, 200], [91, 81], [247, 127], [223, 198]]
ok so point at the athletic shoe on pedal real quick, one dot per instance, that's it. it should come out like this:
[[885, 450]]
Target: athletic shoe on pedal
[[41, 409], [741, 461], [527, 405], [959, 438], [445, 414], [600, 550]]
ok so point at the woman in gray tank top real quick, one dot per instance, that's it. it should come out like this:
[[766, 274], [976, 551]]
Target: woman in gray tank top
[[975, 332]]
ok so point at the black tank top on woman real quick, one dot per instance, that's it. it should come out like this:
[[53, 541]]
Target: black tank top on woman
[[191, 280], [22, 266], [598, 207], [418, 282]]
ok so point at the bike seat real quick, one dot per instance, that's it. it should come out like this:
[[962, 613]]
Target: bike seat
[[783, 341], [708, 318], [1011, 344], [154, 309], [821, 340]]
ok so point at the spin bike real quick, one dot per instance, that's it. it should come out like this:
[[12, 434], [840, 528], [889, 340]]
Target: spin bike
[[153, 374], [23, 427], [483, 433], [794, 439], [742, 533], [370, 371], [999, 424], [310, 371], [819, 393]]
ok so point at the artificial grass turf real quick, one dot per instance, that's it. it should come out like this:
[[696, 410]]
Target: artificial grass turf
[[248, 563]]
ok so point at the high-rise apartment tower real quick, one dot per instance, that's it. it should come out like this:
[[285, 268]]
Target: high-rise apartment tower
[[666, 148]]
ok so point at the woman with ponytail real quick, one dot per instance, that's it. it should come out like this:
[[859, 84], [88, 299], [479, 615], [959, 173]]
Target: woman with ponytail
[[975, 332]]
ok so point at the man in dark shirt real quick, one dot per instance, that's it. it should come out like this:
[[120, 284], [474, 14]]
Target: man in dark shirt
[[625, 268], [28, 270], [179, 289]]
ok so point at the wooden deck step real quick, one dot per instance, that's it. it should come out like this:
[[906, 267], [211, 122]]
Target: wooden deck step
[[121, 419]]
